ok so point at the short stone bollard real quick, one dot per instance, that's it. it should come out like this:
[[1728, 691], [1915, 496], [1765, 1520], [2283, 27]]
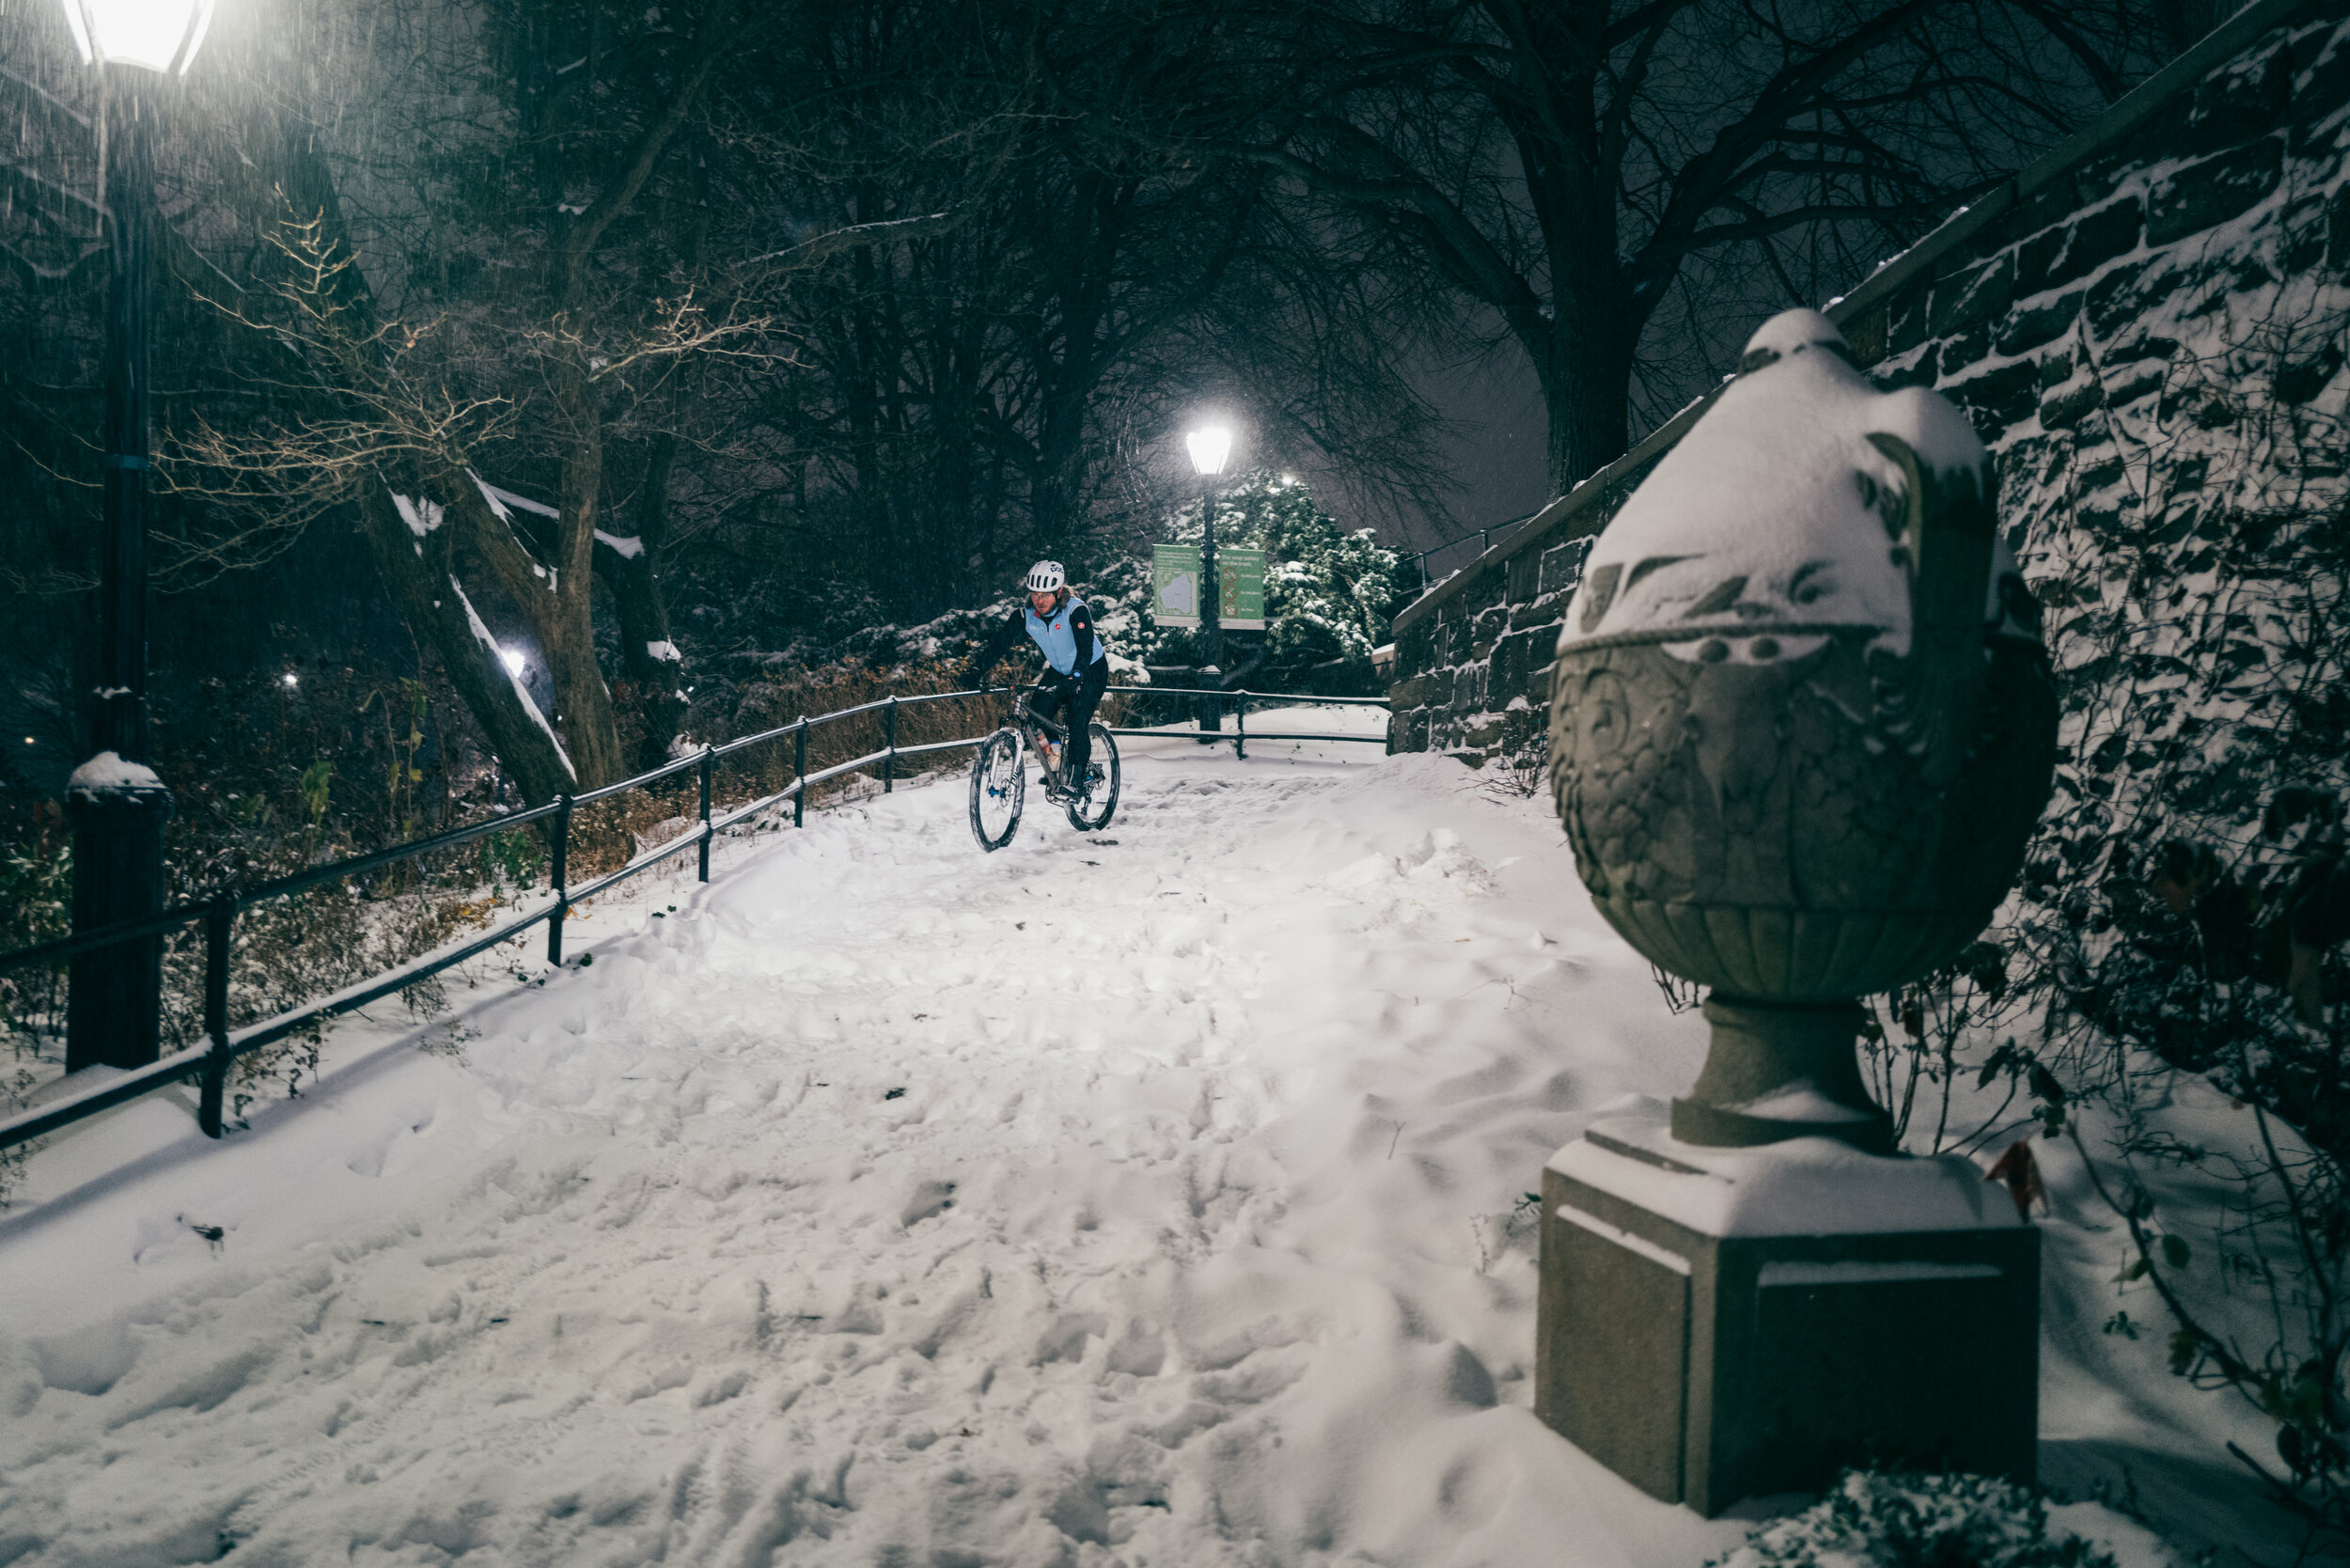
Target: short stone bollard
[[1802, 725]]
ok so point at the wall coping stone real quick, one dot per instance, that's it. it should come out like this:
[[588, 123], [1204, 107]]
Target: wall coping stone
[[1565, 517]]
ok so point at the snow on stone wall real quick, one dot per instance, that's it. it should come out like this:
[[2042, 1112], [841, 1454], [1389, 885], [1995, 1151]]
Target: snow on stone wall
[[2159, 365], [2121, 322]]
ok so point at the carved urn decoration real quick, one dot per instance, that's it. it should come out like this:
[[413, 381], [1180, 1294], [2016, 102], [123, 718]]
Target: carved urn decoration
[[1802, 723]]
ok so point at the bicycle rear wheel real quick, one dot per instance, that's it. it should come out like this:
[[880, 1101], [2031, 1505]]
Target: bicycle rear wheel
[[1090, 811], [998, 785]]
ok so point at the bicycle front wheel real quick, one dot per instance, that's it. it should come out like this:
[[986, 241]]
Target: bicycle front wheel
[[1090, 811], [998, 784]]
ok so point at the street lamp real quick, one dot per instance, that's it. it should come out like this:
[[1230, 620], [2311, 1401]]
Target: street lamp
[[1210, 446], [159, 35], [116, 804]]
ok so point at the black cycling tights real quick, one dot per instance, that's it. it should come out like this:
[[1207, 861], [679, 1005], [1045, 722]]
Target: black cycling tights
[[1076, 697]]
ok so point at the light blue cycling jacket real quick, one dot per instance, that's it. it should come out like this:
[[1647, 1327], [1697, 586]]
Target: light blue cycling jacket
[[1058, 641]]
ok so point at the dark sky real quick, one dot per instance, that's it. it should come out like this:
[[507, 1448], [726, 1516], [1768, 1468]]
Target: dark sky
[[1499, 455], [1495, 455]]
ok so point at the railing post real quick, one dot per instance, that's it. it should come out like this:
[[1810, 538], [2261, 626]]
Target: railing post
[[214, 1092], [562, 874], [1239, 738], [890, 745], [709, 757], [799, 773]]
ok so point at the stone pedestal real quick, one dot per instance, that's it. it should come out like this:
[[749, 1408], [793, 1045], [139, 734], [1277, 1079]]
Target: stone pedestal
[[1723, 1322]]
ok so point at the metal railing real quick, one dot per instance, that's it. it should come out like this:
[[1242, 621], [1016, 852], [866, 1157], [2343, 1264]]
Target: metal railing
[[1239, 702], [1481, 538], [211, 1062]]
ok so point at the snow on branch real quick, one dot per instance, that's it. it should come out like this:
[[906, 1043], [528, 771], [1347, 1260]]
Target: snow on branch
[[885, 231]]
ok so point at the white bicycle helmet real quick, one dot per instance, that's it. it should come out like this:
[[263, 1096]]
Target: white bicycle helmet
[[1047, 577]]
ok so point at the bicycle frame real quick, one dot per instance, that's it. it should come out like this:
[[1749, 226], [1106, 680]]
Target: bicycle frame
[[1023, 715], [1030, 726]]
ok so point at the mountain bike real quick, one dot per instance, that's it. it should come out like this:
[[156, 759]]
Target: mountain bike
[[999, 779]]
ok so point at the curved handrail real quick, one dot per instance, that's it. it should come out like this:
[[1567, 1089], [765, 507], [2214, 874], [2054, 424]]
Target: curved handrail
[[218, 912]]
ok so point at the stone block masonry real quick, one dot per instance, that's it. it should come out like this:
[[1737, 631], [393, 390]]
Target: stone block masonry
[[2074, 293]]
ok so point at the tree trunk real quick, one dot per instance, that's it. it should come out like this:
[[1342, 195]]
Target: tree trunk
[[416, 558], [583, 702], [1585, 378], [1583, 345], [630, 567]]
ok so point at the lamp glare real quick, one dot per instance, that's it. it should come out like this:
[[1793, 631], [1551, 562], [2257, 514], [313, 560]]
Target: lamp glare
[[1210, 446], [158, 35]]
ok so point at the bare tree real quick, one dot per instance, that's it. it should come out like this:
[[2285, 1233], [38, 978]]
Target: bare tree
[[1019, 263], [1565, 168], [390, 364]]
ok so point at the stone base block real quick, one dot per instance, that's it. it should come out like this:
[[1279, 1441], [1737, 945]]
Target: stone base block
[[1716, 1324]]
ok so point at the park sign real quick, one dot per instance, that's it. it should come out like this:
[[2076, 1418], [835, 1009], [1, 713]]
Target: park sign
[[1175, 587], [1242, 606]]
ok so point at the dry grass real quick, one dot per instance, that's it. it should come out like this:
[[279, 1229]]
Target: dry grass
[[606, 834]]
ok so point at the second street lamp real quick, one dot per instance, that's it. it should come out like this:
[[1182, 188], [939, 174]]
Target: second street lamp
[[1210, 446], [116, 804]]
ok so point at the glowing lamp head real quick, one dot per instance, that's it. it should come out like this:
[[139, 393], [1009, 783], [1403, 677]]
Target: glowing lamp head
[[514, 659], [1210, 446], [159, 35]]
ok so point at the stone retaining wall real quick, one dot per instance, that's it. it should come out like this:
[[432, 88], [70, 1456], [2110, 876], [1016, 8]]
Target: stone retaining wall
[[2058, 300]]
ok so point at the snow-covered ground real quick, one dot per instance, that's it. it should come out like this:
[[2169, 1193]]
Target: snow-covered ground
[[1149, 1197]]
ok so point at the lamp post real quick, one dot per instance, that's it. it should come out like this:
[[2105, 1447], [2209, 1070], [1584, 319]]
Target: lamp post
[[1210, 446], [116, 804]]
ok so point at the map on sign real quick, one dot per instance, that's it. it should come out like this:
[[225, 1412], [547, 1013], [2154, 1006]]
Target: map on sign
[[1175, 587]]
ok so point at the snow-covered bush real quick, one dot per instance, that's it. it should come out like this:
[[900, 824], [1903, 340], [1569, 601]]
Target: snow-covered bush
[[1877, 1519], [1331, 593], [918, 652]]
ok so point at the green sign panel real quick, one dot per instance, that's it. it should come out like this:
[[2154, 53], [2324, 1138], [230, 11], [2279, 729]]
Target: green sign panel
[[1242, 606], [1175, 587]]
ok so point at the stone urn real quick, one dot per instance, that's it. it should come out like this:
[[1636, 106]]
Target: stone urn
[[1802, 723]]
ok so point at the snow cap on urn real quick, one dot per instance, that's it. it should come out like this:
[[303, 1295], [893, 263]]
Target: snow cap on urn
[[1783, 517]]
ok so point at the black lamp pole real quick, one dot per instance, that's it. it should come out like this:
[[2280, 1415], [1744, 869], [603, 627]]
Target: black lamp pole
[[116, 805], [1210, 610]]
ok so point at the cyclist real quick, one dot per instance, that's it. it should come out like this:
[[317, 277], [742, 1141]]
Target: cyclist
[[1077, 666]]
